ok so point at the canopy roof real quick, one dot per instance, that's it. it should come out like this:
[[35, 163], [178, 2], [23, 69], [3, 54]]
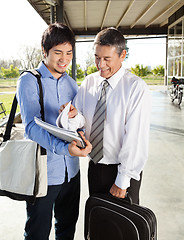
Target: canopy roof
[[131, 17]]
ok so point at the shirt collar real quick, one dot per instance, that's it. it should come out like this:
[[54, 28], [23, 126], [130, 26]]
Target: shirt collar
[[113, 81], [45, 71]]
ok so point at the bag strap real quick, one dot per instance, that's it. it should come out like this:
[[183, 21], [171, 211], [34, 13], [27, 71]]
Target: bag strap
[[35, 73], [14, 105], [10, 120]]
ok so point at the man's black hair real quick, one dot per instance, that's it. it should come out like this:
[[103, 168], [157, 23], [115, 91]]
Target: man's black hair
[[57, 33]]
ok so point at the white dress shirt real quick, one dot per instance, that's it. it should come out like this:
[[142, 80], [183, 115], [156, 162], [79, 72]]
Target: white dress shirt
[[126, 128]]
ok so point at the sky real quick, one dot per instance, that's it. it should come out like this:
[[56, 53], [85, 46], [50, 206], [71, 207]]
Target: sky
[[21, 25]]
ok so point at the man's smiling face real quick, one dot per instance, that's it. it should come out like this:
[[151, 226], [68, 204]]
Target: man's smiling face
[[58, 58], [107, 60]]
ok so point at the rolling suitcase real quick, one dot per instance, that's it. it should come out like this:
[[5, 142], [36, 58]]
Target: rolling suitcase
[[110, 218]]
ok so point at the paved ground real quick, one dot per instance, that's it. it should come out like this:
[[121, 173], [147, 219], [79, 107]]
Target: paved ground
[[163, 179]]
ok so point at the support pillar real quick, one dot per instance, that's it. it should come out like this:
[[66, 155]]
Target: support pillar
[[60, 18], [52, 17], [74, 65], [59, 12], [166, 62]]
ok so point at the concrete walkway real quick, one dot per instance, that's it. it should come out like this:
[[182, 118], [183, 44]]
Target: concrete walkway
[[163, 179]]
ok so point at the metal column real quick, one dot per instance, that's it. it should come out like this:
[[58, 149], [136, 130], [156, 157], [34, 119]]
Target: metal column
[[52, 18], [166, 64], [60, 18], [59, 11], [74, 65]]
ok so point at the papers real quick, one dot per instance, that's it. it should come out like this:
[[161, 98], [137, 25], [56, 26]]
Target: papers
[[61, 133], [72, 124], [62, 120]]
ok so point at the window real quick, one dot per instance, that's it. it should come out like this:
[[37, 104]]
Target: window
[[175, 63]]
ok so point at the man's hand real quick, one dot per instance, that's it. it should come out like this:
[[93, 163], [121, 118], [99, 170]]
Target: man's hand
[[80, 152], [117, 192], [73, 111]]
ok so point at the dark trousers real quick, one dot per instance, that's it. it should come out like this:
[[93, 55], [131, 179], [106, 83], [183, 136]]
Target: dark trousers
[[64, 200], [101, 177]]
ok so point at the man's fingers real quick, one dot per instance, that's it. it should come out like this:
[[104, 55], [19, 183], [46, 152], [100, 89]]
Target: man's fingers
[[72, 113], [62, 107], [117, 192], [82, 134], [74, 150]]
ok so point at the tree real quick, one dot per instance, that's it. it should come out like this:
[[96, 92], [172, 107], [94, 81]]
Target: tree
[[7, 63], [4, 63], [91, 69], [90, 60], [30, 57], [11, 72], [140, 70], [80, 72], [158, 70]]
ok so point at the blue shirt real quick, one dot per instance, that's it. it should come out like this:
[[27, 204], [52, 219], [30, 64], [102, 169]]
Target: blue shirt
[[56, 92]]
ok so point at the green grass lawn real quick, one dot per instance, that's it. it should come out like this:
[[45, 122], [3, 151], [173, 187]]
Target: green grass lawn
[[150, 80], [153, 80], [9, 85], [7, 100], [7, 89], [8, 82]]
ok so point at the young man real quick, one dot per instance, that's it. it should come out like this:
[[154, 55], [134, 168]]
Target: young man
[[122, 151], [63, 194]]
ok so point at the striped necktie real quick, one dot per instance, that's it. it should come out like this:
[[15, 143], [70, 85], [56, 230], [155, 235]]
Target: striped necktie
[[96, 135]]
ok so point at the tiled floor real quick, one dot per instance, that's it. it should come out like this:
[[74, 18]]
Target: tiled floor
[[163, 179]]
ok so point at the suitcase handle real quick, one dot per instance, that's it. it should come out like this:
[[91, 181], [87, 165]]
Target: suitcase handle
[[127, 198]]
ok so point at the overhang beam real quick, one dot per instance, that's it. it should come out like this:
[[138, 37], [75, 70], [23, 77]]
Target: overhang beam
[[162, 12], [125, 13], [105, 13], [144, 12]]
